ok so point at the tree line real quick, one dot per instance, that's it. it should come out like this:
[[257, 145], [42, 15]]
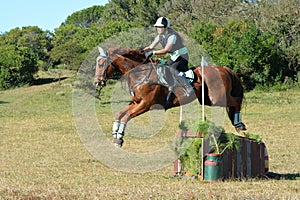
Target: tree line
[[258, 39]]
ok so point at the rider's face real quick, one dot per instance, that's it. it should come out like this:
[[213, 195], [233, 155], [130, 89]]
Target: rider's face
[[160, 29]]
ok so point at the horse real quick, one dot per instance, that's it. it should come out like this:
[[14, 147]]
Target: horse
[[222, 87]]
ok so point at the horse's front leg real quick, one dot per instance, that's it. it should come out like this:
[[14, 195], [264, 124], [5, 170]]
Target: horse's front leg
[[119, 126]]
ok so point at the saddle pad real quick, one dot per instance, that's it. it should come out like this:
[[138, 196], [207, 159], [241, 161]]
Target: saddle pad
[[188, 75], [167, 76], [162, 71]]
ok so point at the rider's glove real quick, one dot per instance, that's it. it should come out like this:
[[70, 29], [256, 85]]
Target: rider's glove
[[141, 49], [149, 54]]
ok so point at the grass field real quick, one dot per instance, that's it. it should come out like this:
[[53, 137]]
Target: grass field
[[42, 156]]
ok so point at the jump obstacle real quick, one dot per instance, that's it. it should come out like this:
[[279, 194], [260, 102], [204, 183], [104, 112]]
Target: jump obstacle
[[249, 161]]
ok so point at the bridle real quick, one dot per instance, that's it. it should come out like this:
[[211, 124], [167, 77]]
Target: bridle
[[102, 78], [105, 64]]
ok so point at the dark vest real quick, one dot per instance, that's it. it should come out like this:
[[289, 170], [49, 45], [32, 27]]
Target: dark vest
[[163, 40]]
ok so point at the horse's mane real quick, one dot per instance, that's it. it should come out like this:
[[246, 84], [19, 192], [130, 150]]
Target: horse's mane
[[132, 54], [135, 54]]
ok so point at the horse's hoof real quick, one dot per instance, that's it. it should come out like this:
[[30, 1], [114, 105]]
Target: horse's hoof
[[118, 146], [240, 127], [118, 142]]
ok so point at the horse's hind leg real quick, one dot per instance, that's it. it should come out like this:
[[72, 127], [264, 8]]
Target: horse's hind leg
[[234, 115]]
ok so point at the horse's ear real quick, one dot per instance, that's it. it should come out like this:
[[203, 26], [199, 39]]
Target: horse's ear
[[102, 52]]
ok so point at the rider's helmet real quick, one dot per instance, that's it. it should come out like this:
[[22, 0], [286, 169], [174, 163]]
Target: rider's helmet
[[163, 22]]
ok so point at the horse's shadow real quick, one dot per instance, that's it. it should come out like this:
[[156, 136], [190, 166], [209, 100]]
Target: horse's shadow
[[113, 102], [43, 81], [273, 175]]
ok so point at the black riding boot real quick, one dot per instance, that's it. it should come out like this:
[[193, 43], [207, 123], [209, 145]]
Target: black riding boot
[[170, 99], [188, 89]]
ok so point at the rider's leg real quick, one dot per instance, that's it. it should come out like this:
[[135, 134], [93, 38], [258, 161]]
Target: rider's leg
[[181, 65]]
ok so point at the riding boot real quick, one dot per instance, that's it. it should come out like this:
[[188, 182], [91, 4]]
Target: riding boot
[[188, 89], [170, 99], [185, 85]]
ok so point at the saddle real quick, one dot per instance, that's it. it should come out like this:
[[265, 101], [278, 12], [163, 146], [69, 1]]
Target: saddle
[[170, 78]]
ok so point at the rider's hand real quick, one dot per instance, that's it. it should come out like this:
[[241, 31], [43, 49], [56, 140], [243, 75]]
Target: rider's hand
[[149, 54], [141, 49]]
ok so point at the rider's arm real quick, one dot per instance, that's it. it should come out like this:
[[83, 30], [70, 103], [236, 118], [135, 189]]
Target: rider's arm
[[165, 50], [171, 41]]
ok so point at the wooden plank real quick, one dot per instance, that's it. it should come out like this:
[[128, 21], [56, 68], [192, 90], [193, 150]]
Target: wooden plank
[[248, 159], [239, 162], [244, 158], [205, 150], [234, 164], [262, 158], [230, 175], [255, 161], [225, 165]]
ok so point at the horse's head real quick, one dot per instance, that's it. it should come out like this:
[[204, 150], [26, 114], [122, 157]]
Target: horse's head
[[120, 59], [104, 68]]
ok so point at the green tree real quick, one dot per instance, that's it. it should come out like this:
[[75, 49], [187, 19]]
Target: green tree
[[86, 17], [66, 48], [254, 55], [145, 12], [17, 66], [72, 43], [282, 19], [22, 52], [32, 37]]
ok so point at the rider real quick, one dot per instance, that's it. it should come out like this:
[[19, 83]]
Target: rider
[[171, 43]]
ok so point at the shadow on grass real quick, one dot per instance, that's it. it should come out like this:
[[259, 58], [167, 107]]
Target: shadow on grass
[[43, 81], [3, 102], [273, 175], [114, 102]]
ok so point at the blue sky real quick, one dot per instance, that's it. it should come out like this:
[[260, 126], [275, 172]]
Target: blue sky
[[45, 14]]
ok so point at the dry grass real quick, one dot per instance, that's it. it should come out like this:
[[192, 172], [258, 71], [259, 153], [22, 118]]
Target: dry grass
[[42, 156]]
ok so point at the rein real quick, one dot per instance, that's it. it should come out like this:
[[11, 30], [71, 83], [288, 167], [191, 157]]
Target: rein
[[107, 63], [146, 78]]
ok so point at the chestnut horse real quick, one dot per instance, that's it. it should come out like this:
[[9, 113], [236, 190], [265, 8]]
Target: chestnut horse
[[222, 87]]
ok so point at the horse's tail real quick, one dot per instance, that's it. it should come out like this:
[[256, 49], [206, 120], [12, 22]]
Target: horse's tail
[[237, 87]]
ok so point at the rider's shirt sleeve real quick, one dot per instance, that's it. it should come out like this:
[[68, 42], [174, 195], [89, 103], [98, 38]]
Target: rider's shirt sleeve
[[155, 42], [172, 39]]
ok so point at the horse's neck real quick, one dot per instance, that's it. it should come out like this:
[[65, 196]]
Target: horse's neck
[[124, 64], [144, 73], [136, 56], [131, 54], [126, 59]]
